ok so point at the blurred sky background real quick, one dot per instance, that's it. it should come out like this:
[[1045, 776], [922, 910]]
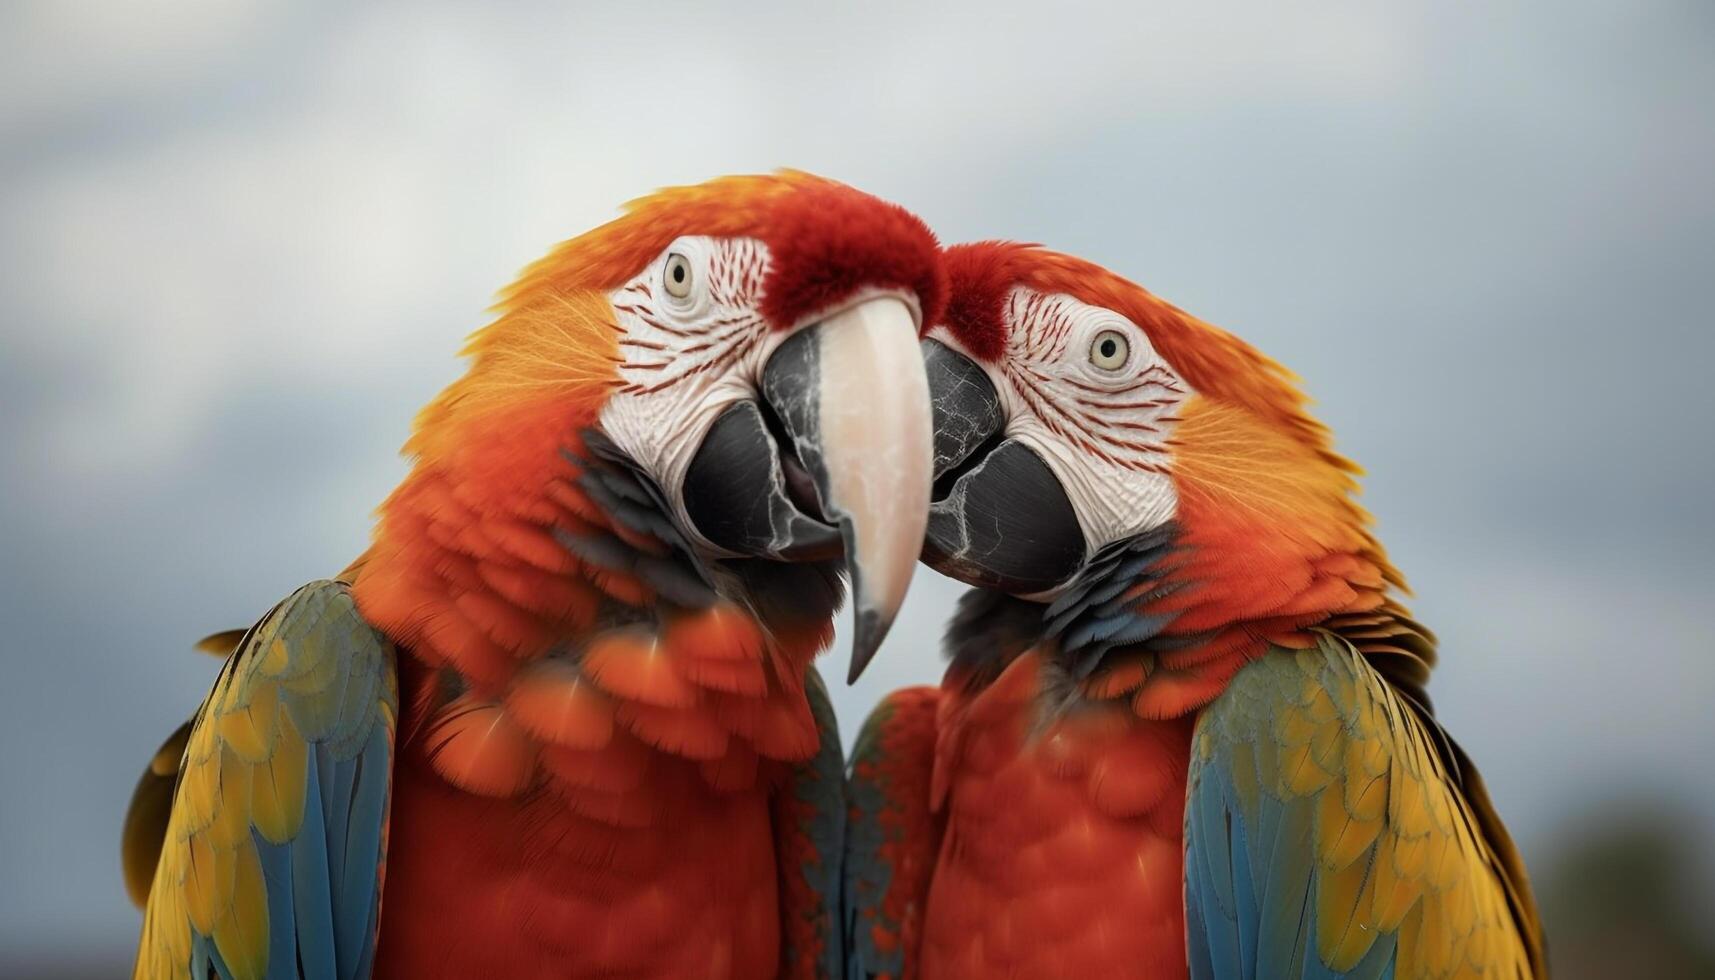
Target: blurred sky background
[[240, 243]]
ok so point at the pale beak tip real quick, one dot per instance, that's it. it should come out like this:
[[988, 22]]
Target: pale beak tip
[[869, 629]]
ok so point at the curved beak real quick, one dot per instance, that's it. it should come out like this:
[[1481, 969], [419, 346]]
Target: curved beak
[[852, 397]]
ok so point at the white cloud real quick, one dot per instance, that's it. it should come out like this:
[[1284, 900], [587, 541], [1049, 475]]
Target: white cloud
[[60, 55], [245, 257], [411, 162]]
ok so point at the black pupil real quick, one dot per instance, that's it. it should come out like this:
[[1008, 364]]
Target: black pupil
[[1109, 347], [678, 273]]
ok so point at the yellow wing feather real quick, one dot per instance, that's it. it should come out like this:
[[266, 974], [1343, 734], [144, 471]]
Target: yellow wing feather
[[310, 674], [1318, 739]]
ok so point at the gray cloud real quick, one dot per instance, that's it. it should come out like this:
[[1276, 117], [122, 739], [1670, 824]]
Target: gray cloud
[[239, 251]]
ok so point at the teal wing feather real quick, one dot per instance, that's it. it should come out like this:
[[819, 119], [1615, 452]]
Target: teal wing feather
[[811, 823], [893, 835], [272, 860], [1331, 831]]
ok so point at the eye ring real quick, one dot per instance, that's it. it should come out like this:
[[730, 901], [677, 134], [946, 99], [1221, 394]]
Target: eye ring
[[677, 276], [1109, 350]]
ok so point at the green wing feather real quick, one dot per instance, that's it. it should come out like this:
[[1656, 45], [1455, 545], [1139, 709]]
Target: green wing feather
[[1332, 829]]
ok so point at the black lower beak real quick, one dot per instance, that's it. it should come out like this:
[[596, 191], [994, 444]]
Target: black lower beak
[[739, 493], [1000, 518]]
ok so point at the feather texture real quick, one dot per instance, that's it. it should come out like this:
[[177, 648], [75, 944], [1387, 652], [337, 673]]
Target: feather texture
[[1332, 828], [892, 838], [988, 840], [273, 853], [611, 762], [810, 829], [1326, 835]]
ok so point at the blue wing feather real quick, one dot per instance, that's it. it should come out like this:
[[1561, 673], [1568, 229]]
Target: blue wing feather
[[318, 665], [310, 864], [812, 847], [1284, 783], [358, 896], [283, 922]]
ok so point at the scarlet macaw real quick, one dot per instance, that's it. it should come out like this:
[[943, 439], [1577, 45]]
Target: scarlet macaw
[[1183, 729], [589, 614]]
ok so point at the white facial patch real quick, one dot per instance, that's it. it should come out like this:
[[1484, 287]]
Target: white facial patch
[[1084, 389], [691, 343]]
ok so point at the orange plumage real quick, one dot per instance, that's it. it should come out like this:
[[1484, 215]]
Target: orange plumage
[[1250, 756], [1062, 845], [894, 830], [612, 814], [612, 756]]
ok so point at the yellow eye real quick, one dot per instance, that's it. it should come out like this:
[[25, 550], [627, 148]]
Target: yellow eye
[[1109, 350], [677, 276]]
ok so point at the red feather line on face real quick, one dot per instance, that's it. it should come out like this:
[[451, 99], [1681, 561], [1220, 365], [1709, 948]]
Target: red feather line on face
[[1039, 326], [1273, 540], [734, 275]]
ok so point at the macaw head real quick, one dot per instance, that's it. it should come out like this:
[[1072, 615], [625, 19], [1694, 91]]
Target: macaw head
[[747, 348], [1153, 480]]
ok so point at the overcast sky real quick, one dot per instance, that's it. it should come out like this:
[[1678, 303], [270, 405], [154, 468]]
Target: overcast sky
[[240, 243]]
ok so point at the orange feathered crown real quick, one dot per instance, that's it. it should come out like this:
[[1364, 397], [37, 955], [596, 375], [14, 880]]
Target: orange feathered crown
[[554, 333], [825, 240]]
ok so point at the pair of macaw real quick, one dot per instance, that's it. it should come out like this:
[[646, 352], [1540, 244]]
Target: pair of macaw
[[561, 718]]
